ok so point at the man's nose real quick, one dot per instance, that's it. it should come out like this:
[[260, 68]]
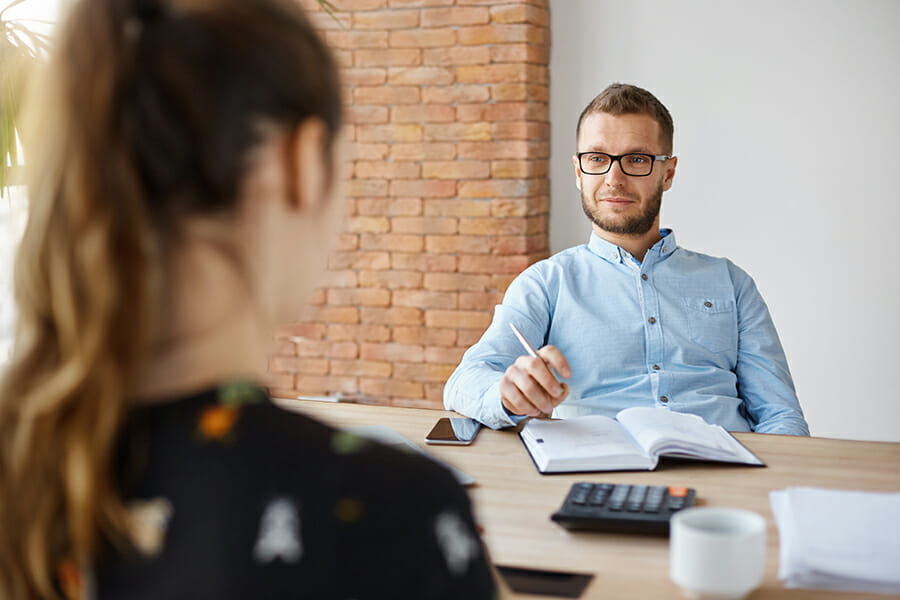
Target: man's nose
[[615, 177]]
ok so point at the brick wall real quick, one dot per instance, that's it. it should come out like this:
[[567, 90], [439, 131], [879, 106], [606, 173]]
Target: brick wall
[[448, 195]]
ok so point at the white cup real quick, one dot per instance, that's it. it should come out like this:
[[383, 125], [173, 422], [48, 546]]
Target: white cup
[[717, 553]]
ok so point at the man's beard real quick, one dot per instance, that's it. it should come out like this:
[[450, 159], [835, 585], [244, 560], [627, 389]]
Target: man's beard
[[636, 225]]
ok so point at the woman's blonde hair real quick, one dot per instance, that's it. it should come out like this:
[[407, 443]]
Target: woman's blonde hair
[[147, 113]]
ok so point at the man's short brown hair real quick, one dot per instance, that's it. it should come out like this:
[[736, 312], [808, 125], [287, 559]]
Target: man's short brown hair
[[625, 99]]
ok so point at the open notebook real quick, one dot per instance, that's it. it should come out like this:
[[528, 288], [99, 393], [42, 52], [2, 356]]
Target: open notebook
[[634, 440]]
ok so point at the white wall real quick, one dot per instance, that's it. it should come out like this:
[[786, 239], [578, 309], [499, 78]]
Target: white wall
[[787, 129]]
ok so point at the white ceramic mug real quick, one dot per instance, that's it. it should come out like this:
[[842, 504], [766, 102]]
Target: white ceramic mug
[[717, 553]]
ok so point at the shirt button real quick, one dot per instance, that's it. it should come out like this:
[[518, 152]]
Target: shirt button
[[644, 276], [664, 399], [707, 304], [652, 320], [656, 367]]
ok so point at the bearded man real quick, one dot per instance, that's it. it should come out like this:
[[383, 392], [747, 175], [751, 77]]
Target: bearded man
[[630, 318]]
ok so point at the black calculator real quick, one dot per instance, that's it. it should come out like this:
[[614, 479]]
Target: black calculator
[[622, 508]]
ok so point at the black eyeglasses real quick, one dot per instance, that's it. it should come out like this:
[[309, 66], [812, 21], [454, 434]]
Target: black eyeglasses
[[636, 164]]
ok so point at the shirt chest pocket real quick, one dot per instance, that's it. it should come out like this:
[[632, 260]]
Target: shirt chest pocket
[[712, 322]]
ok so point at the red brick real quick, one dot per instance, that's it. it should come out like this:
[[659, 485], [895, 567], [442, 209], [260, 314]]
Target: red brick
[[466, 319], [418, 3], [423, 151], [520, 13], [339, 279], [479, 300], [387, 57], [389, 206], [467, 337], [466, 113], [455, 207], [359, 150], [394, 279], [422, 38], [354, 40], [423, 113], [396, 315], [506, 226], [389, 94], [391, 387], [359, 260], [282, 347], [428, 263], [317, 297], [469, 263], [491, 188], [387, 170], [424, 299], [323, 21], [302, 332], [365, 187], [456, 244], [327, 349], [446, 356], [366, 114], [390, 133], [457, 55], [393, 351], [343, 58], [502, 150], [392, 242], [361, 368], [359, 296], [519, 244], [347, 242], [423, 189], [419, 372], [386, 19], [458, 131], [358, 333], [455, 94], [520, 207], [281, 381], [446, 17], [502, 34], [496, 73], [293, 364], [315, 385], [431, 336], [501, 282], [520, 130], [456, 282], [520, 92], [400, 76], [423, 225], [456, 169], [368, 224], [518, 169], [348, 5], [434, 393], [519, 53]]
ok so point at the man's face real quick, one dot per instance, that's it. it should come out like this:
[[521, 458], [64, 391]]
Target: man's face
[[615, 202]]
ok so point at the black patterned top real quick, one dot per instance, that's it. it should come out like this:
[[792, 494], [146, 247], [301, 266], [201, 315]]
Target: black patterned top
[[233, 497]]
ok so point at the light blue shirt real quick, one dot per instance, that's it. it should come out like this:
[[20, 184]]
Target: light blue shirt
[[680, 330]]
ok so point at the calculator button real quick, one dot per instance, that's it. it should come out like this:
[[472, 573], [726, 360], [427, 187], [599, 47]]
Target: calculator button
[[678, 491], [651, 507]]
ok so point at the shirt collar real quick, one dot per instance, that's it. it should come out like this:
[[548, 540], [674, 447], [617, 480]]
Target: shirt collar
[[614, 254]]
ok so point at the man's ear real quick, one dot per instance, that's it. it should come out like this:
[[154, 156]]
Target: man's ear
[[308, 170], [670, 173], [577, 172]]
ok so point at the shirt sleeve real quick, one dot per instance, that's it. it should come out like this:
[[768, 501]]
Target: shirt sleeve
[[764, 380], [474, 387]]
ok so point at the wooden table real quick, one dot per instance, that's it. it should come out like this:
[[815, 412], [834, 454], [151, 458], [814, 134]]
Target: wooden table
[[513, 502]]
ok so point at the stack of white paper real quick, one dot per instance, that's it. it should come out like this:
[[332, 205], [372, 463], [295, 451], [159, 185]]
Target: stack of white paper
[[841, 540]]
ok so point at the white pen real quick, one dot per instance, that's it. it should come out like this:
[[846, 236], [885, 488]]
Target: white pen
[[531, 351]]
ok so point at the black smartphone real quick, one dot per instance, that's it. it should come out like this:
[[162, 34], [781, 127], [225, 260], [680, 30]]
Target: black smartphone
[[560, 584], [453, 430]]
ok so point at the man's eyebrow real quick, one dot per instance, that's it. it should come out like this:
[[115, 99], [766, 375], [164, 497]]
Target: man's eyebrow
[[632, 150]]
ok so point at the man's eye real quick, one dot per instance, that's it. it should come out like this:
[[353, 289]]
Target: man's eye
[[637, 160]]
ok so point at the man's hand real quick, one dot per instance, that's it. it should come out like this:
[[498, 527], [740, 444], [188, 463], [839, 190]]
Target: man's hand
[[529, 388]]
